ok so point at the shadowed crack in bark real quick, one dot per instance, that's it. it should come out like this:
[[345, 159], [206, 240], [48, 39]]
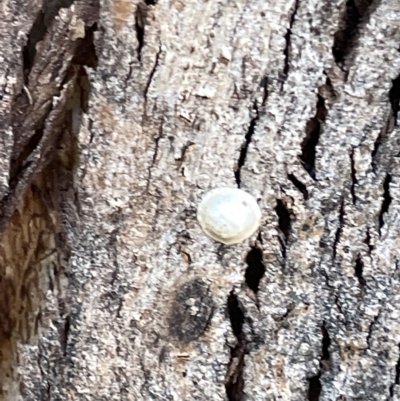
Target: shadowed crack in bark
[[344, 39], [255, 269], [397, 376], [286, 50], [387, 200], [151, 76], [394, 97], [358, 270], [284, 223], [234, 383], [299, 185], [315, 386], [313, 131], [140, 22], [353, 178], [38, 31], [339, 229], [245, 146]]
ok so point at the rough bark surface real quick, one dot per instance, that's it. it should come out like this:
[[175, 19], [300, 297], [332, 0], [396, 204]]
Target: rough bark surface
[[116, 117]]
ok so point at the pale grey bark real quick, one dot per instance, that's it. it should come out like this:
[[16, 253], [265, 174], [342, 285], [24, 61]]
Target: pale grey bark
[[116, 117]]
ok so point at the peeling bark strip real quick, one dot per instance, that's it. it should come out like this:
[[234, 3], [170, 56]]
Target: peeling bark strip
[[116, 117], [39, 219]]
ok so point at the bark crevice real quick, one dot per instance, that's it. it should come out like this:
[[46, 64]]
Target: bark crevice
[[255, 269], [38, 31], [354, 180], [284, 219], [339, 229], [284, 225], [394, 98], [344, 39], [358, 271], [245, 146], [387, 200], [397, 375], [140, 22], [151, 76], [313, 132], [299, 185], [234, 383], [315, 385], [288, 34]]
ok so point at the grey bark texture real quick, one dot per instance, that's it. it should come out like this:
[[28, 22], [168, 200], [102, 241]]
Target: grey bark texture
[[116, 117]]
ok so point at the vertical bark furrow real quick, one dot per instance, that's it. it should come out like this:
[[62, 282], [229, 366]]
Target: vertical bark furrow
[[235, 381], [345, 38], [353, 178], [397, 376], [358, 270], [313, 132], [314, 389], [394, 97], [284, 219], [286, 50], [339, 230], [387, 200], [245, 146], [255, 269]]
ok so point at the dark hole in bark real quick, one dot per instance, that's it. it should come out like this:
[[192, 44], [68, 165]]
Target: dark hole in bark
[[284, 218], [394, 97], [345, 37], [326, 342], [299, 185], [38, 31], [235, 313], [85, 53], [358, 269], [387, 200], [35, 35], [264, 84], [287, 39], [371, 329], [353, 178], [377, 144], [245, 146], [286, 52], [64, 335], [139, 27], [313, 132], [314, 388], [340, 228], [255, 269], [367, 241], [397, 377], [235, 381]]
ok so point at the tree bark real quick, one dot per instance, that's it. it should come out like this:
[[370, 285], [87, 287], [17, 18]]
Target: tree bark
[[116, 117]]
